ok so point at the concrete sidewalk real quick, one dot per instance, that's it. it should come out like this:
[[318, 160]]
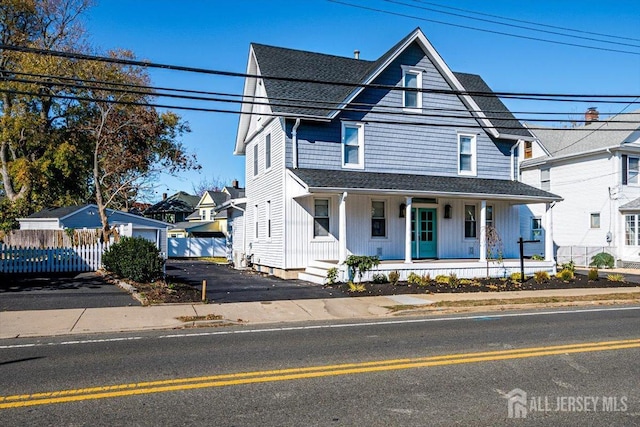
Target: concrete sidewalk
[[15, 324]]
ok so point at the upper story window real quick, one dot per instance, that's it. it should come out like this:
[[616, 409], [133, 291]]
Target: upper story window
[[528, 149], [267, 151], [466, 154], [411, 79], [630, 169], [353, 145], [378, 219], [255, 160], [595, 220], [321, 218], [545, 179]]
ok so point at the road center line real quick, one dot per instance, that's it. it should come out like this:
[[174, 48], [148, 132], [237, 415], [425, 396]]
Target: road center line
[[240, 378]]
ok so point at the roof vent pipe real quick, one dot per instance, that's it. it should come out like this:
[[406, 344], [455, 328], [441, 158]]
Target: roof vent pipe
[[356, 54]]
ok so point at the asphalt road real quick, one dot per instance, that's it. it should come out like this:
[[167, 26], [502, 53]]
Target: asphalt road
[[436, 371], [60, 291], [225, 284]]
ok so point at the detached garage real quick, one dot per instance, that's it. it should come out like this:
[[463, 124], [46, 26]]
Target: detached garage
[[87, 217]]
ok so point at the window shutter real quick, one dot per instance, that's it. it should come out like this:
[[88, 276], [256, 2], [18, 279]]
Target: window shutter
[[625, 166]]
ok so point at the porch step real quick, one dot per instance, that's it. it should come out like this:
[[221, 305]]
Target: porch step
[[308, 277], [325, 265]]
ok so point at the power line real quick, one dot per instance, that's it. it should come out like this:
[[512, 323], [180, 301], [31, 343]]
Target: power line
[[526, 22], [281, 115], [403, 15], [148, 64], [309, 105]]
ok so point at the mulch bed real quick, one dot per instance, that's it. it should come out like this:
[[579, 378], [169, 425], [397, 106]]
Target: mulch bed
[[478, 285]]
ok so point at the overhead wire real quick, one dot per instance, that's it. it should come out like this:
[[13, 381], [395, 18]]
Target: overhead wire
[[484, 30]]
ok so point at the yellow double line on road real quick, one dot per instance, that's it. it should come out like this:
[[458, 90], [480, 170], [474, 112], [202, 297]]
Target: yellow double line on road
[[255, 377]]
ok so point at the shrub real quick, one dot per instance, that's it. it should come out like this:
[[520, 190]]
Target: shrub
[[541, 276], [442, 279], [602, 259], [413, 279], [615, 277], [134, 258], [571, 266], [394, 277], [565, 274], [425, 280], [361, 264], [332, 275], [593, 274], [537, 257], [356, 287], [380, 278], [515, 277], [453, 280]]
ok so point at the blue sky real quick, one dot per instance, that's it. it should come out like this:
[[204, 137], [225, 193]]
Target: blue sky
[[216, 34]]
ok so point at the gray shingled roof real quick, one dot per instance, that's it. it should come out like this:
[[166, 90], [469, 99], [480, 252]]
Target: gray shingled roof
[[298, 64], [318, 179], [499, 114], [633, 205], [56, 212], [235, 193], [179, 202], [566, 141]]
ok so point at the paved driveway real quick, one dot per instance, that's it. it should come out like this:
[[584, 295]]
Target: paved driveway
[[225, 284], [73, 290]]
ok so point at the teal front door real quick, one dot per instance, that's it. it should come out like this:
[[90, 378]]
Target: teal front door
[[424, 241]]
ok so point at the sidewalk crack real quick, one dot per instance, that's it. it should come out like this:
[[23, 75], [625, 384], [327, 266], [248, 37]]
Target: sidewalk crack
[[79, 317], [303, 309]]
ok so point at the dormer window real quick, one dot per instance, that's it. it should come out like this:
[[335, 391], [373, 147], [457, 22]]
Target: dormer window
[[412, 80]]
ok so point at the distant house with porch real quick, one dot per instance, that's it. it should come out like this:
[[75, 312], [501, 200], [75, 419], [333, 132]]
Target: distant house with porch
[[398, 157], [173, 209]]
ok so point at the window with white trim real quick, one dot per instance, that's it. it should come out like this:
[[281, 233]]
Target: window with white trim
[[255, 219], [470, 222], [353, 145], [255, 159], [378, 219], [528, 149], [594, 220], [268, 219], [411, 79], [536, 228], [466, 154], [631, 169], [545, 179], [267, 151], [631, 230], [320, 217]]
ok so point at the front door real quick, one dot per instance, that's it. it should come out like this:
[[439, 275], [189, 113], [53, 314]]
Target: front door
[[424, 242]]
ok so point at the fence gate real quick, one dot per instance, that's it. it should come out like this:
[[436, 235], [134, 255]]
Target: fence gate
[[195, 247]]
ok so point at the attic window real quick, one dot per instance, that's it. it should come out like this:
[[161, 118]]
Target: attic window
[[411, 79], [528, 149]]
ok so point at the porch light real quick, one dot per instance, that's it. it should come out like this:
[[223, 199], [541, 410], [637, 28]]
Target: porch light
[[447, 211], [403, 210]]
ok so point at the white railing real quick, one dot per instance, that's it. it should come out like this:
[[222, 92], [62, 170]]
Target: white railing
[[51, 260]]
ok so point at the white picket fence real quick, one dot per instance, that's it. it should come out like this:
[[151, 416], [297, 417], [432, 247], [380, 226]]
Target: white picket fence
[[51, 260], [196, 247]]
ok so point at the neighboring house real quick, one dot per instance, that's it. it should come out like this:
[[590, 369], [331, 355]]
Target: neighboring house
[[233, 209], [87, 217], [173, 209], [207, 220], [411, 162], [595, 168]]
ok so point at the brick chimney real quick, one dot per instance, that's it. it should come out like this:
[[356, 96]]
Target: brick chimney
[[164, 196], [235, 183], [591, 115]]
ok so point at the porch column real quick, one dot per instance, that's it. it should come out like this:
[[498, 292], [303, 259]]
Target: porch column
[[342, 229], [483, 231], [407, 231], [548, 233]]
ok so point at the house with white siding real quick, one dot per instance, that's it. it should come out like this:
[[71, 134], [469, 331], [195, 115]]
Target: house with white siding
[[595, 167], [397, 157]]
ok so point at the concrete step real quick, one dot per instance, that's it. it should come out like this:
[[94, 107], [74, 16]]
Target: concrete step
[[313, 278], [316, 271], [325, 265]]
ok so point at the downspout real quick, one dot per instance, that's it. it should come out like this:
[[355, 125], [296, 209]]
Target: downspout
[[294, 141], [513, 149], [244, 228]]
